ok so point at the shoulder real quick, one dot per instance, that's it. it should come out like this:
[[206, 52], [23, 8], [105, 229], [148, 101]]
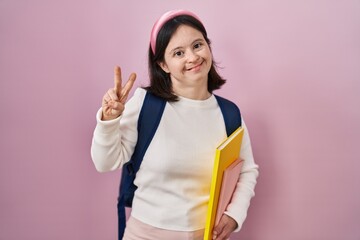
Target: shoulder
[[138, 97], [226, 103], [223, 99], [140, 93], [135, 102], [231, 114]]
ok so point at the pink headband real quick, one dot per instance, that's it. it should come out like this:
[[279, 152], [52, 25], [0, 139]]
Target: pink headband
[[162, 20]]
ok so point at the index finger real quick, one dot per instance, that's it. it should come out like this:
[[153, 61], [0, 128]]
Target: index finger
[[117, 79]]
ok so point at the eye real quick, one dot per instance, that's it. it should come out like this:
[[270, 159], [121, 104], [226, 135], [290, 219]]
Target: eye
[[198, 45], [178, 53]]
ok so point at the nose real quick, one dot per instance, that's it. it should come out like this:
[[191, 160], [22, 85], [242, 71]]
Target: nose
[[192, 56]]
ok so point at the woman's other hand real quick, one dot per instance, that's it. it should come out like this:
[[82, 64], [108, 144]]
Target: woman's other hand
[[225, 227]]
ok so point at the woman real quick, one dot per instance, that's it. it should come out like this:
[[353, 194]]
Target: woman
[[174, 177]]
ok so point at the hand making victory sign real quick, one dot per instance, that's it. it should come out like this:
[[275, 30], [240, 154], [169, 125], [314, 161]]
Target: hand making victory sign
[[113, 102]]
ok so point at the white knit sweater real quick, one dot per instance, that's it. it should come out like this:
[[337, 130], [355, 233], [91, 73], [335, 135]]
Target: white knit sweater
[[175, 174]]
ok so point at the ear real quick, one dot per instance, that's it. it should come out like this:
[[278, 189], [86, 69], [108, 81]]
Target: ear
[[164, 67]]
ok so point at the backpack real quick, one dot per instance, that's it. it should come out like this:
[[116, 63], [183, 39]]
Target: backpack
[[149, 119]]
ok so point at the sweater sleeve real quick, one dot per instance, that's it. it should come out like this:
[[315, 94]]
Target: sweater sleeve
[[114, 141], [244, 191]]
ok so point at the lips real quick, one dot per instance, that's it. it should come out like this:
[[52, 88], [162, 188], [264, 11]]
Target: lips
[[195, 68]]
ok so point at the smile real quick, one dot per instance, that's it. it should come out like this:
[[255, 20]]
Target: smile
[[195, 68]]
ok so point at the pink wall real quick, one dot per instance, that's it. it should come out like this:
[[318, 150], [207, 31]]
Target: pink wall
[[292, 66]]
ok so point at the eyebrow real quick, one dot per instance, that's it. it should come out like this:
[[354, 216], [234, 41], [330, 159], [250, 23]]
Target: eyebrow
[[196, 40]]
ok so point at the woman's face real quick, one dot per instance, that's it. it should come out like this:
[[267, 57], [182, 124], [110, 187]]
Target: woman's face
[[187, 58]]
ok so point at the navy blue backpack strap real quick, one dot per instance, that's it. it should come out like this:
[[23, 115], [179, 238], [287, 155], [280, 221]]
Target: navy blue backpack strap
[[231, 114], [149, 119]]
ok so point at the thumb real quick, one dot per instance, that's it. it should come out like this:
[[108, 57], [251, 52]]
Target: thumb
[[218, 229]]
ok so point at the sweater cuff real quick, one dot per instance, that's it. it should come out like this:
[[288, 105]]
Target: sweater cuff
[[238, 219], [238, 211], [107, 126]]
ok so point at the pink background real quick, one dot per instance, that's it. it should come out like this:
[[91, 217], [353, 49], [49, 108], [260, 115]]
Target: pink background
[[292, 66]]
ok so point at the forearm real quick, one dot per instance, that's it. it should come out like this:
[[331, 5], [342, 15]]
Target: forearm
[[240, 203], [106, 142], [114, 141], [244, 191]]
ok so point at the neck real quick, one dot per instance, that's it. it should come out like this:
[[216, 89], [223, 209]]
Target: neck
[[192, 93]]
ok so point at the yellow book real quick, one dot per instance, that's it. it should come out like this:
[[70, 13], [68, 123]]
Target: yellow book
[[226, 153]]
